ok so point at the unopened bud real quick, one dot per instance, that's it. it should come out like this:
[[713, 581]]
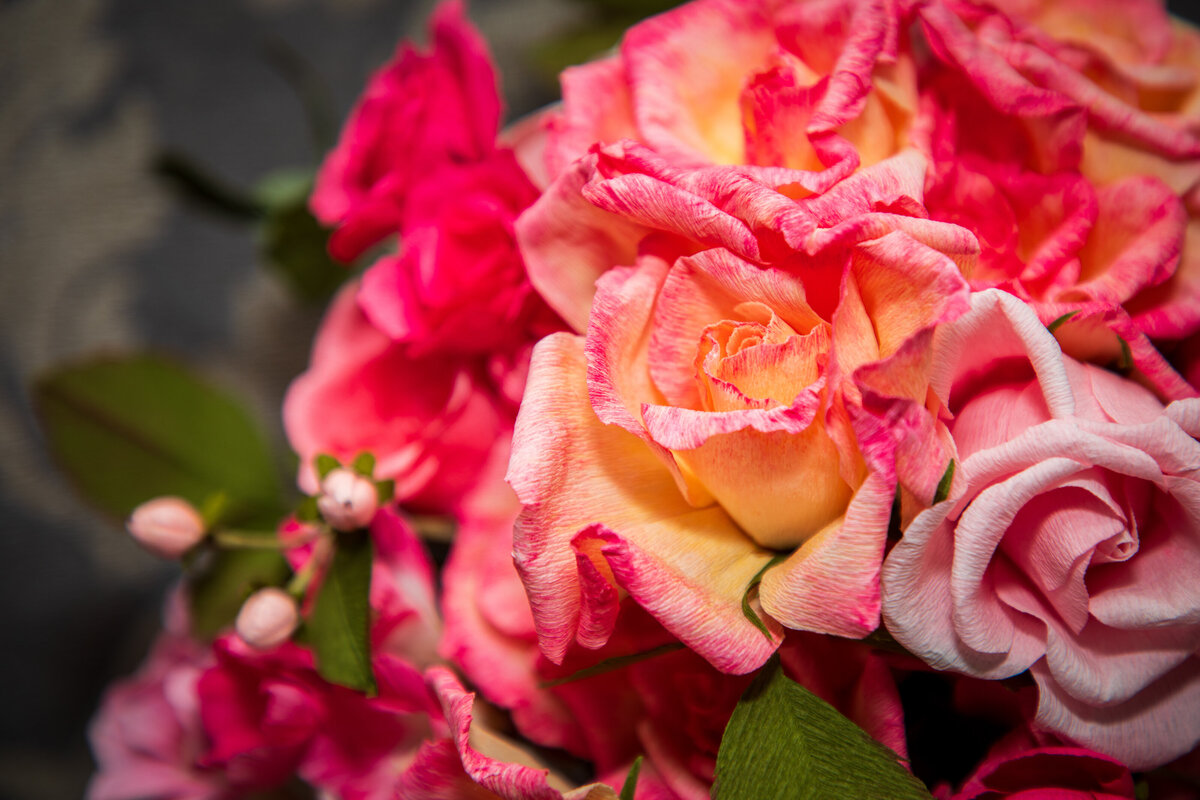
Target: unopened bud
[[267, 619], [348, 500], [166, 526]]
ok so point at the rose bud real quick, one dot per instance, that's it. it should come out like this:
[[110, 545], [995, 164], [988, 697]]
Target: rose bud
[[166, 526], [348, 500], [267, 619]]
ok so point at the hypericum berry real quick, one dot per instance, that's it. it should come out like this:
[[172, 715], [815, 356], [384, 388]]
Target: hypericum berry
[[166, 526], [268, 618], [348, 500]]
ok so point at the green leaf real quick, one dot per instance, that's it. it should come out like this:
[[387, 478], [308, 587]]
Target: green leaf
[[785, 743], [126, 430], [613, 664], [325, 464], [217, 590], [747, 609], [385, 491], [1058, 323], [340, 622], [364, 464], [293, 242], [943, 487], [631, 779]]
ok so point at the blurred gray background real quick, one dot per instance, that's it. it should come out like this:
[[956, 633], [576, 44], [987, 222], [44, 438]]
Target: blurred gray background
[[96, 255]]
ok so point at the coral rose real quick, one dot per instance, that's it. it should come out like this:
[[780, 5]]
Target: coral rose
[[1069, 544], [721, 411], [800, 94]]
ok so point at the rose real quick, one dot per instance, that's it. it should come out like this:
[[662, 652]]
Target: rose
[[420, 113], [1068, 545], [672, 708], [458, 283], [418, 158], [720, 407], [146, 737], [1068, 139], [801, 93], [429, 421], [810, 86]]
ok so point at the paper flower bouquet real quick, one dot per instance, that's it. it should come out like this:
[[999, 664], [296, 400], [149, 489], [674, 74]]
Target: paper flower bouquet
[[806, 406]]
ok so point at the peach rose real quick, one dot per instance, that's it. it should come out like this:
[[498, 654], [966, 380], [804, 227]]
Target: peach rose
[[723, 410]]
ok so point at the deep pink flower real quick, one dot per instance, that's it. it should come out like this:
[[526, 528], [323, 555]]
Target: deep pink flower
[[147, 736], [1068, 546], [430, 421], [420, 114]]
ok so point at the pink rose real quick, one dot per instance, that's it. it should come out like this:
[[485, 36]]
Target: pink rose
[[430, 421], [147, 737], [420, 113], [1068, 546], [1067, 136], [727, 404]]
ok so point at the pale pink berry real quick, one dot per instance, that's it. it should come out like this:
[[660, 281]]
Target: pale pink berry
[[268, 618], [166, 526], [348, 500]]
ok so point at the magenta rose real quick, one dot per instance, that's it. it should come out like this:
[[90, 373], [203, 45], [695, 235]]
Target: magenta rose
[[1068, 545], [430, 421], [420, 113]]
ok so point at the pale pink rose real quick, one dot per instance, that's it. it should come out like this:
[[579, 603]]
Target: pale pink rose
[[750, 398], [147, 737], [430, 421], [1067, 135], [1069, 544], [419, 114], [799, 93]]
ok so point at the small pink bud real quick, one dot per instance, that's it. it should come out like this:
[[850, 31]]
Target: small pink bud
[[267, 619], [348, 500], [166, 526]]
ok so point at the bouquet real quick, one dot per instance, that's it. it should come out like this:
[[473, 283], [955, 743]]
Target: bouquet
[[806, 406]]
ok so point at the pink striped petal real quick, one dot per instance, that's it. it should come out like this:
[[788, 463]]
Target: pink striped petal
[[568, 243], [495, 763]]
